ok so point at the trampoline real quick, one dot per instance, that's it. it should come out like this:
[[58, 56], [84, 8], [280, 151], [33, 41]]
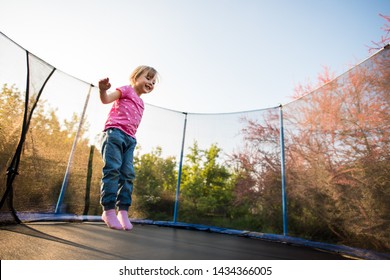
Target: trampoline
[[94, 241], [70, 237], [48, 158]]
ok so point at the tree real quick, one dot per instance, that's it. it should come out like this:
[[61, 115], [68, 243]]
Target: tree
[[337, 143], [155, 183], [385, 39], [257, 183], [44, 156], [205, 189], [339, 135], [11, 116]]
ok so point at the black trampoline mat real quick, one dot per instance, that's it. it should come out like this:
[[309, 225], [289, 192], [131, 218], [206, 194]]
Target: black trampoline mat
[[94, 241]]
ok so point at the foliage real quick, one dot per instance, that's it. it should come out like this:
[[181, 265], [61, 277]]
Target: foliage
[[11, 113], [205, 188], [385, 39], [43, 164], [341, 135], [154, 185], [337, 159]]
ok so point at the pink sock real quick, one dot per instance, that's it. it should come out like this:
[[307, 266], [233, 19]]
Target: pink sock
[[111, 220], [124, 220]]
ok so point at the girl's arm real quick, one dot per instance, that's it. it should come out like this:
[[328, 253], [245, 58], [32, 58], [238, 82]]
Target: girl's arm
[[104, 85]]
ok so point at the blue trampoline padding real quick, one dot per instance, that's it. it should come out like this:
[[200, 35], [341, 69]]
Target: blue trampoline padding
[[339, 249]]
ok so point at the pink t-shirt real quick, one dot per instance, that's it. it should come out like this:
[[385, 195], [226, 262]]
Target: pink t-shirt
[[126, 112]]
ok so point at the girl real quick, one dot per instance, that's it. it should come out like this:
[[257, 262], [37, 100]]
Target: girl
[[119, 143]]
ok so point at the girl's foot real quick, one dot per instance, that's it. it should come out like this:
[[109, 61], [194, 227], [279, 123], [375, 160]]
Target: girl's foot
[[124, 220], [111, 220]]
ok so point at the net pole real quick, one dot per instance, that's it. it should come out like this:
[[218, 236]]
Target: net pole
[[175, 213], [283, 172], [87, 200], [70, 160]]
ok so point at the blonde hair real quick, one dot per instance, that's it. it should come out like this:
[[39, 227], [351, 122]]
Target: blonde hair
[[140, 70]]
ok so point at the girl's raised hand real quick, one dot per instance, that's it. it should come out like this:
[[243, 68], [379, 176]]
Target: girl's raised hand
[[104, 84]]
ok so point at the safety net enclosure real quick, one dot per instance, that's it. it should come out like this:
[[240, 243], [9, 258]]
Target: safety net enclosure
[[316, 168], [338, 156]]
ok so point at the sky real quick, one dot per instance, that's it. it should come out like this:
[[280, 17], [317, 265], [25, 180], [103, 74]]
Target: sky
[[213, 56]]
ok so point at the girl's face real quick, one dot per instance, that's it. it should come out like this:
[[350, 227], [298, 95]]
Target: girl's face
[[144, 83]]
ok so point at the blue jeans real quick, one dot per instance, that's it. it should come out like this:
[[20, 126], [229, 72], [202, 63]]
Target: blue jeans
[[118, 169]]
